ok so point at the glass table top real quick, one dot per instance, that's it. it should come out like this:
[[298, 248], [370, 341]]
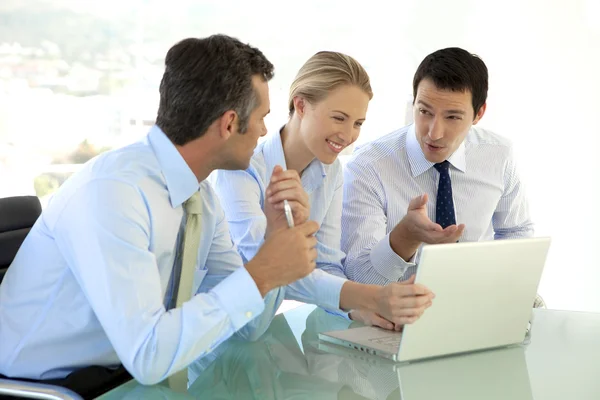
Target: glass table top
[[561, 361]]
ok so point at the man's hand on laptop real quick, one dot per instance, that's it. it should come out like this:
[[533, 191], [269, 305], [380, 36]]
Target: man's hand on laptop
[[416, 228], [404, 303], [371, 318]]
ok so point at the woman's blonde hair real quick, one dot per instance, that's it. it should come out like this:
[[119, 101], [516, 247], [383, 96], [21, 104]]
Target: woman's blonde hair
[[324, 72]]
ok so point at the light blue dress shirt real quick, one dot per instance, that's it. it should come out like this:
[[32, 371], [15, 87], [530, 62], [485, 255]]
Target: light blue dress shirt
[[89, 284], [242, 195], [383, 176]]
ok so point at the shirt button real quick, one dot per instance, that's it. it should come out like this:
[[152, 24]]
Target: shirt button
[[248, 314]]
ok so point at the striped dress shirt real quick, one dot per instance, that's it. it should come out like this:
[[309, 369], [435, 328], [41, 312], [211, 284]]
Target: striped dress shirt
[[383, 176]]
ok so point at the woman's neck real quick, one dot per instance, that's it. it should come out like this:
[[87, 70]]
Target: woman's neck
[[297, 155]]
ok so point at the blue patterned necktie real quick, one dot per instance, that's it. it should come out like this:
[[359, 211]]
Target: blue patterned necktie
[[444, 206]]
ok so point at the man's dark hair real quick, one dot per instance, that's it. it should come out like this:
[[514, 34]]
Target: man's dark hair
[[203, 79], [457, 70]]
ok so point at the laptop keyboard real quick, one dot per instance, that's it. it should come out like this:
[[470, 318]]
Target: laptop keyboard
[[392, 340]]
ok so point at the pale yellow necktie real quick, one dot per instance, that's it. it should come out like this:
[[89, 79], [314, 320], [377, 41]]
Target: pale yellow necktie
[[191, 242], [189, 258]]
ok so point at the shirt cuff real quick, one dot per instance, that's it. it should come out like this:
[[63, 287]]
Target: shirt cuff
[[328, 290], [239, 297], [389, 264], [339, 313]]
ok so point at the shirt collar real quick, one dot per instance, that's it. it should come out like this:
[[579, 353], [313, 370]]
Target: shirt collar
[[273, 153], [181, 181], [312, 176], [418, 162]]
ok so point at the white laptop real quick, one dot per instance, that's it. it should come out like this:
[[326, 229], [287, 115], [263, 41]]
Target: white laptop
[[484, 298]]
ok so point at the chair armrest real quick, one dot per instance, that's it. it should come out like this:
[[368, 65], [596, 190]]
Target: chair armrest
[[31, 390]]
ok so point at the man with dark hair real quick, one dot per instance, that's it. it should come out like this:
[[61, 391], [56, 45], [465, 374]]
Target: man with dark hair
[[224, 69], [131, 262], [441, 166]]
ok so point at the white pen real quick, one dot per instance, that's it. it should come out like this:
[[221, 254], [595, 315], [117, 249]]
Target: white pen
[[288, 213]]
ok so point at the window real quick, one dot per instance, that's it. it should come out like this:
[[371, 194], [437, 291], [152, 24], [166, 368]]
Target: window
[[78, 78]]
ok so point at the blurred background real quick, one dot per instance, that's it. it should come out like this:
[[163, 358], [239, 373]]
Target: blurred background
[[80, 77]]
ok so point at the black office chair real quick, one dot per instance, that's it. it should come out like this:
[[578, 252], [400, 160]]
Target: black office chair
[[17, 216]]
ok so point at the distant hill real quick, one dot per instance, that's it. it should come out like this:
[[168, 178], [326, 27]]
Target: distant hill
[[75, 33], [82, 27]]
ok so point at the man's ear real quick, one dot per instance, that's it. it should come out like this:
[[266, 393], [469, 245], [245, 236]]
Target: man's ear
[[480, 113], [228, 124]]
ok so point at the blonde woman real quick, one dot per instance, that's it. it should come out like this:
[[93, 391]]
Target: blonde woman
[[299, 163]]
